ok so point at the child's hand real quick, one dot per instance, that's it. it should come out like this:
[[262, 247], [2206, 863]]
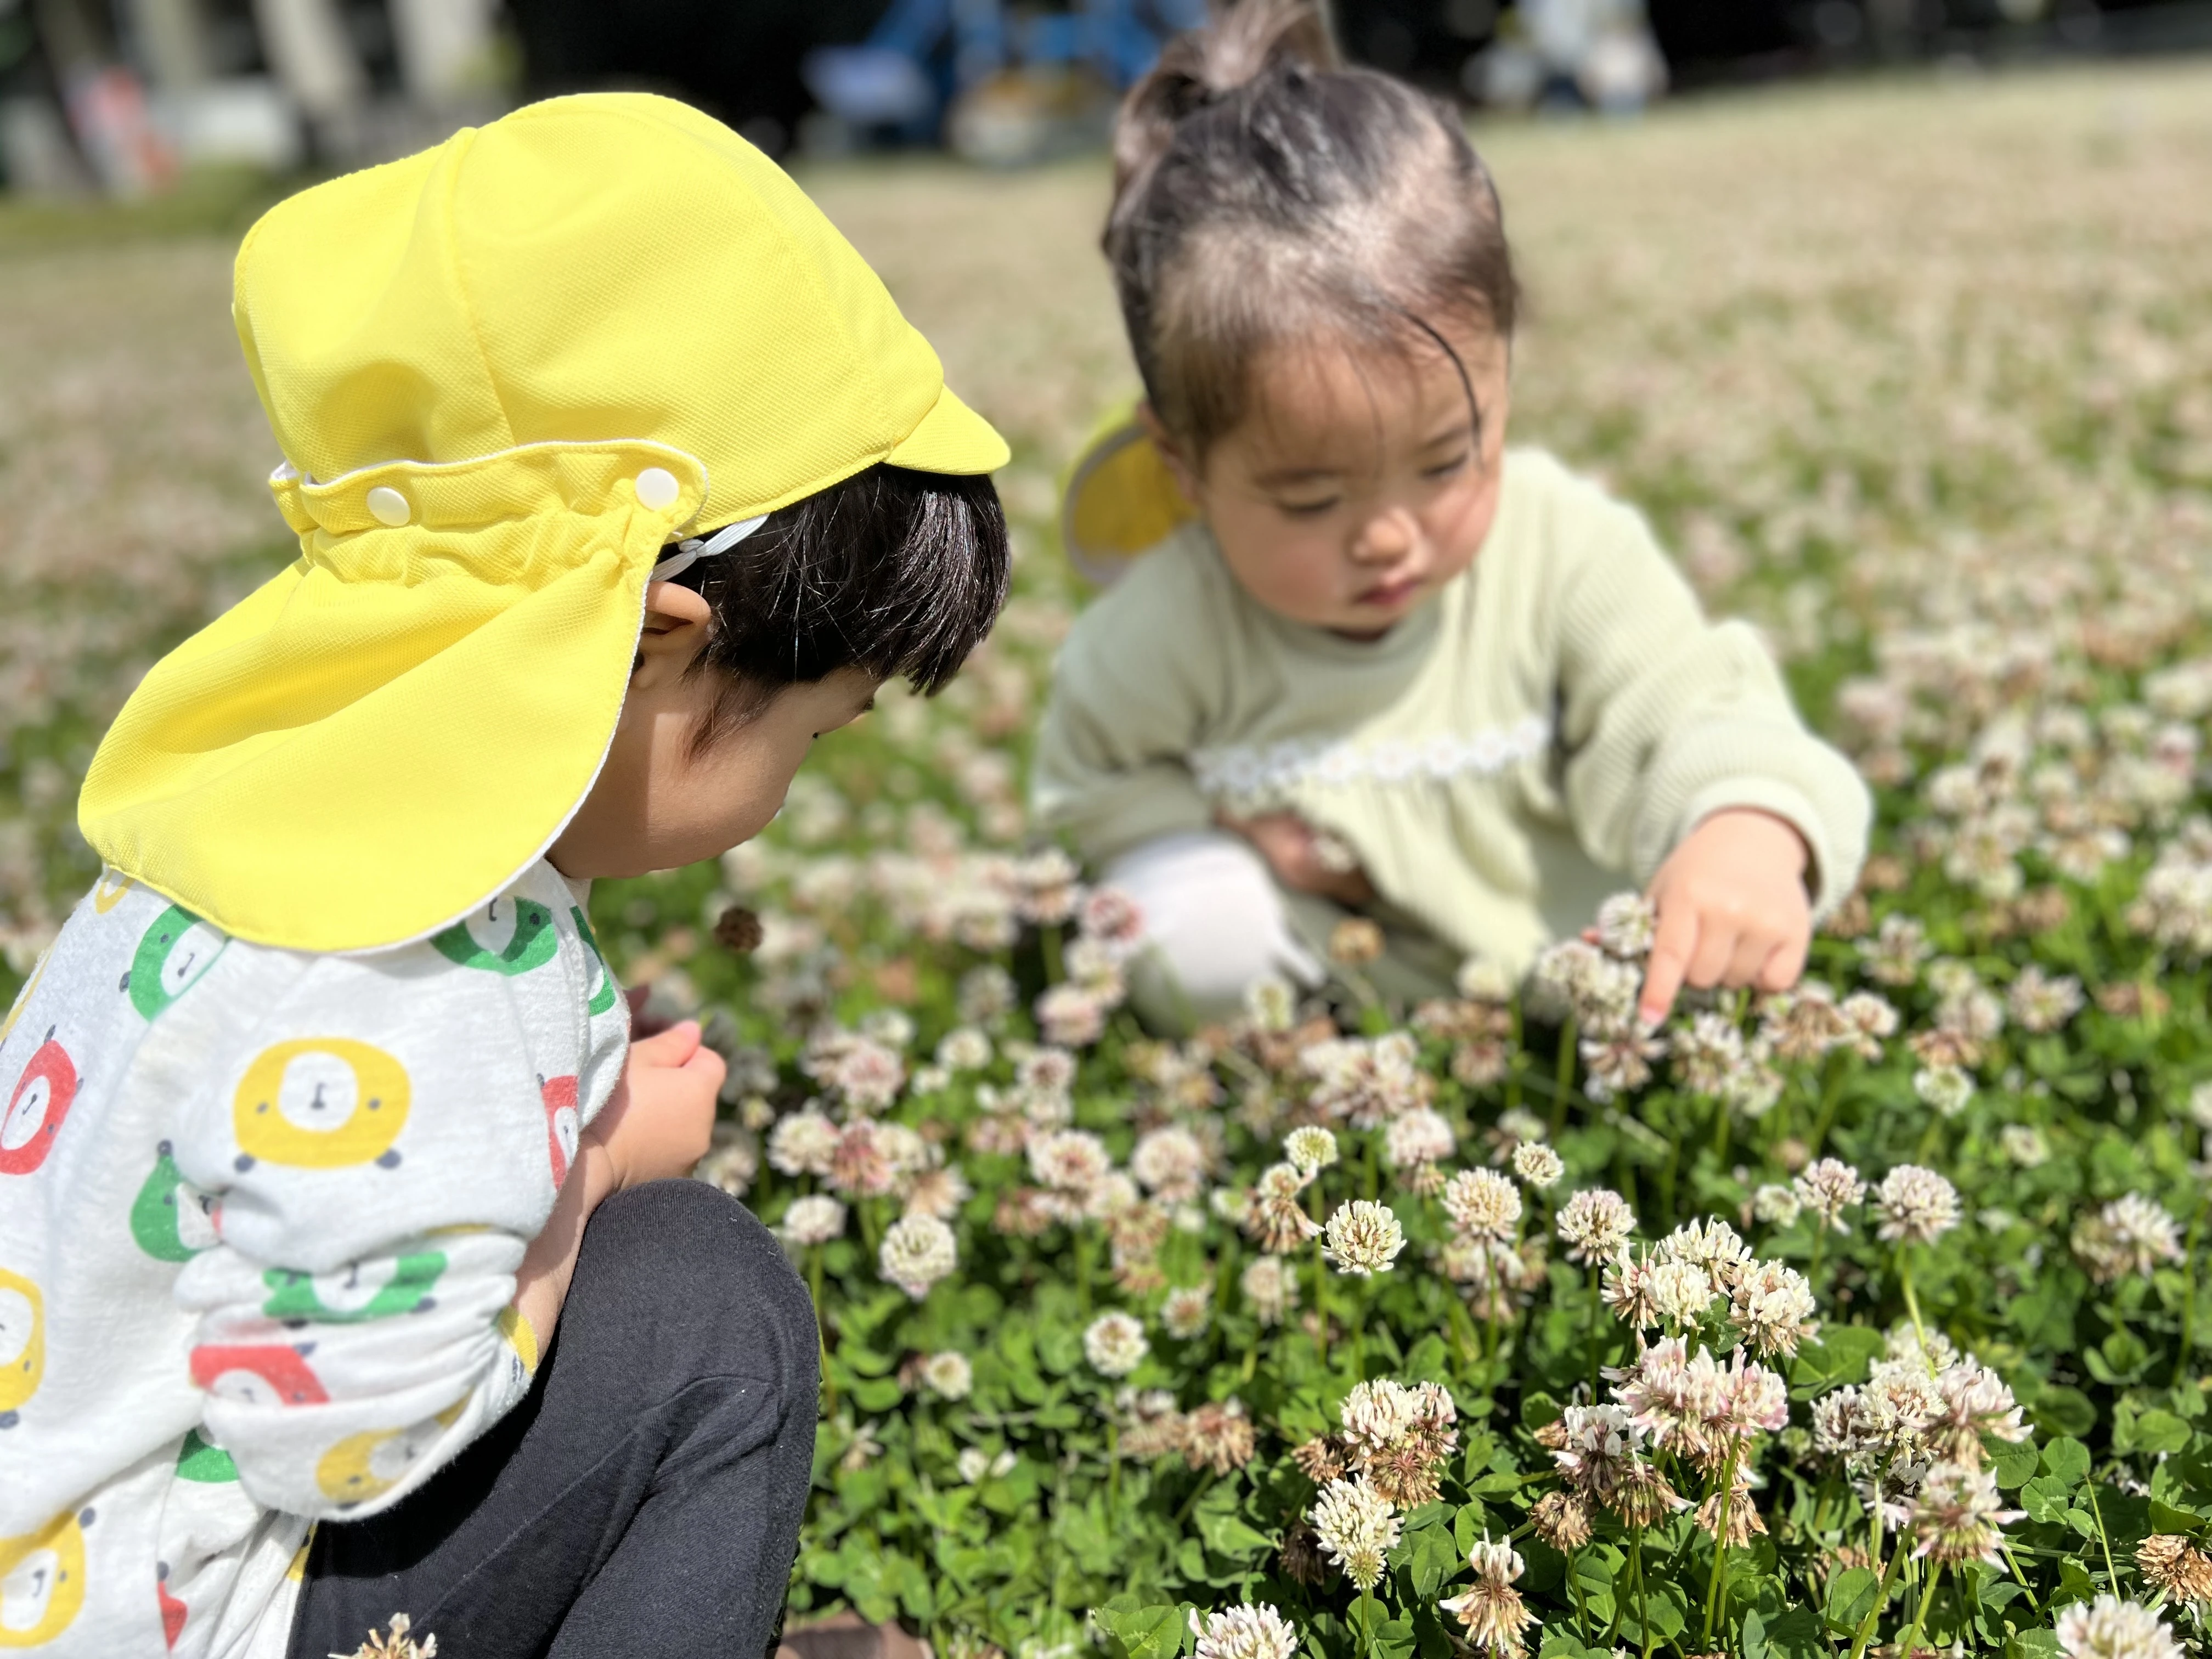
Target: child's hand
[[1733, 909], [1294, 850], [661, 1116]]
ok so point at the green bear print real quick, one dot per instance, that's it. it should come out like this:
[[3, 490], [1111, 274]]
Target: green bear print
[[173, 955], [508, 936], [170, 1219], [602, 987], [210, 1464], [353, 1295]]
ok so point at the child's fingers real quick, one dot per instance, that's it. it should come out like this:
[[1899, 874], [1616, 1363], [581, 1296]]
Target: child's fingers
[[1671, 949], [673, 1046], [1754, 948], [1786, 965], [1716, 952]]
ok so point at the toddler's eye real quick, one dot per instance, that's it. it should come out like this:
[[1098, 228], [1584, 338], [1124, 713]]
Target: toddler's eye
[[1445, 469], [1307, 509]]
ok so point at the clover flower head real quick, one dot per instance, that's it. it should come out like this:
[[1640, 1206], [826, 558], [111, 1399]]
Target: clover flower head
[[1917, 1206], [1943, 1089], [1627, 923], [1957, 1515], [813, 1218], [1184, 1314], [1772, 1309], [917, 1251], [1244, 1632], [1114, 1345], [1538, 1164], [803, 1144], [1828, 1187], [1310, 1149], [1420, 1137], [2175, 1566], [1483, 1204], [948, 1375], [1270, 1290], [2109, 1628], [1492, 1612], [2131, 1234], [1363, 1238], [1595, 1224], [1356, 1527]]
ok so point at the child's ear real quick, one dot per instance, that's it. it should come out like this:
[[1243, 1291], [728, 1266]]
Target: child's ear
[[677, 624], [1178, 464]]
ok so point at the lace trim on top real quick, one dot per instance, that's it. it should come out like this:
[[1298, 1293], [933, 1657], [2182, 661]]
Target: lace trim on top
[[1243, 770]]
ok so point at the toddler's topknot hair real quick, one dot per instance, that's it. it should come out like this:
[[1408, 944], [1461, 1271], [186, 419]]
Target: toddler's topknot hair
[[1263, 191]]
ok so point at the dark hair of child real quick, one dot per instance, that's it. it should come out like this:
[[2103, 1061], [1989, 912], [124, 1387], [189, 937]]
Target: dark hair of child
[[891, 571], [1263, 192]]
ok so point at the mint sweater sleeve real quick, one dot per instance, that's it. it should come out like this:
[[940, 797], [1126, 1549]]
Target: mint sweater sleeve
[[1130, 696], [1667, 717]]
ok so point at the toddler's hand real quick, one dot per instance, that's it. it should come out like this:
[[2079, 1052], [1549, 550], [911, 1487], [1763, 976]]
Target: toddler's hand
[[1293, 848], [1733, 909], [661, 1116]]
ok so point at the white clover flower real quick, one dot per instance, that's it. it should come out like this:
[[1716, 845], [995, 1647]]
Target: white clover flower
[[1626, 925], [1772, 1308], [2109, 1628], [1538, 1164], [917, 1251], [1827, 1188], [1357, 1528], [974, 1464], [1184, 1314], [1420, 1137], [1944, 1090], [1269, 1289], [948, 1375], [1171, 1163], [1310, 1149], [1493, 1613], [1068, 1160], [1244, 1632], [2131, 1234], [813, 1218], [1271, 1004], [1114, 1345], [2024, 1144], [1680, 1291], [804, 1143], [963, 1049], [1917, 1205], [1363, 1238], [1775, 1205], [1483, 981], [1483, 1204], [1595, 1224]]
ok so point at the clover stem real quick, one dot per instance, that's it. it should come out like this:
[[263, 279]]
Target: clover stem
[[1575, 1583], [2112, 1574], [1911, 1302], [1049, 940], [1643, 1611], [1563, 1077], [1716, 1587], [1920, 1612], [1881, 1593], [1819, 1243], [821, 1322], [1596, 1325], [1831, 1089], [2188, 1292]]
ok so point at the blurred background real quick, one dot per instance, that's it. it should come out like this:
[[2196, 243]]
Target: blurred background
[[125, 97]]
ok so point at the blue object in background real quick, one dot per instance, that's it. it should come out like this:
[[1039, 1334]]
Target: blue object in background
[[923, 53]]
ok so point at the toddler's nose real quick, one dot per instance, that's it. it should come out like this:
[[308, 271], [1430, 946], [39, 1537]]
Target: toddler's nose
[[1386, 538]]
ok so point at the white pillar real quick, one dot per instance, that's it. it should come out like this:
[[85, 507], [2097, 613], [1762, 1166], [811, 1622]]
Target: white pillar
[[443, 46], [307, 44]]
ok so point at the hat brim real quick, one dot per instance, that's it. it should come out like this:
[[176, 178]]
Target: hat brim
[[951, 438]]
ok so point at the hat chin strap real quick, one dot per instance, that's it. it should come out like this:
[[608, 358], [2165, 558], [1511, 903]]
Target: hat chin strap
[[689, 553]]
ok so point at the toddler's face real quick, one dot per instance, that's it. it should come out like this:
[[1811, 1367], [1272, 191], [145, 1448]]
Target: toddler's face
[[656, 806], [1358, 486]]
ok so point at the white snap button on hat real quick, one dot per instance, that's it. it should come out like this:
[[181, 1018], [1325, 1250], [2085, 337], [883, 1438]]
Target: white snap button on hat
[[388, 507], [656, 489]]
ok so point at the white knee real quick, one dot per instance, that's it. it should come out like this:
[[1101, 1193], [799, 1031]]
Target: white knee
[[1214, 924]]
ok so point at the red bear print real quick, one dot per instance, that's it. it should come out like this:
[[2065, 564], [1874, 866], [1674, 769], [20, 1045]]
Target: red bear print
[[257, 1374], [41, 1100], [562, 1123]]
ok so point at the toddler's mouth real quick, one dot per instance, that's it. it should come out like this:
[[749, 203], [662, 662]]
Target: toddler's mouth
[[1391, 595]]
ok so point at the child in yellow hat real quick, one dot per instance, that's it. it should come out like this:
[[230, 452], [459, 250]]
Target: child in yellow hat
[[1366, 659], [330, 1180]]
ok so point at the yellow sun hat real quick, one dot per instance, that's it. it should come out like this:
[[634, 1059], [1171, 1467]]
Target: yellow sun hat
[[503, 374], [1119, 501]]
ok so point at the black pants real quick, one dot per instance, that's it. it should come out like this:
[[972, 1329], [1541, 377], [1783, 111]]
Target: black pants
[[645, 1498]]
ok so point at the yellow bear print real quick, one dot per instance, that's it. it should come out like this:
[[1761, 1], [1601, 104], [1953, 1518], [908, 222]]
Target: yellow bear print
[[320, 1103], [22, 1344], [42, 1580], [365, 1466]]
